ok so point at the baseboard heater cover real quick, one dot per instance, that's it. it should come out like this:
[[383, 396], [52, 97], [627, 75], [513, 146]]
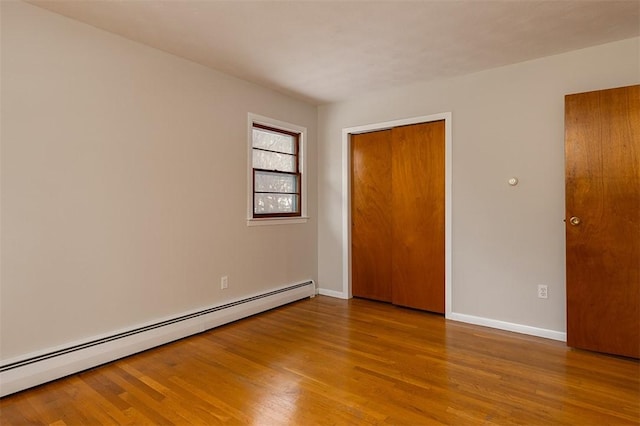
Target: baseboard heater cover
[[29, 371]]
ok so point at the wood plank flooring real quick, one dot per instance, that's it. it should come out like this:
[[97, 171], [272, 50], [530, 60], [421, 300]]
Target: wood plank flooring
[[327, 361]]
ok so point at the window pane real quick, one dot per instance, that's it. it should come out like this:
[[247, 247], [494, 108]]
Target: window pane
[[266, 139], [274, 161], [275, 182], [275, 203]]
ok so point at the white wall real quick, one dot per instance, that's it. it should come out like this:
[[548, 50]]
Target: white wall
[[124, 180], [506, 122]]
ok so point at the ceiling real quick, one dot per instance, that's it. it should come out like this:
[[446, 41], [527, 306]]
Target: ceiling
[[327, 51]]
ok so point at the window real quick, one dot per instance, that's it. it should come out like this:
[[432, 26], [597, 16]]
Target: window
[[276, 177]]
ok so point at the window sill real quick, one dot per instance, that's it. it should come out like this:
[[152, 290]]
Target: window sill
[[277, 221]]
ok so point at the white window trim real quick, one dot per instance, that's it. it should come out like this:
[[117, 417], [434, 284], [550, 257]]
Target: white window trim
[[302, 158]]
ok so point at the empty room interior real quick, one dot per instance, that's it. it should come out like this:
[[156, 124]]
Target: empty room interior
[[319, 212]]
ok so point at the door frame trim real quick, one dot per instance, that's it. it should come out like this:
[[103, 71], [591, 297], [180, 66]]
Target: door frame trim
[[346, 197]]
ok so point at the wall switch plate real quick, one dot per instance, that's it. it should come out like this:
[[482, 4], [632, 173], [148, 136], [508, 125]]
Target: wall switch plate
[[224, 282], [543, 292]]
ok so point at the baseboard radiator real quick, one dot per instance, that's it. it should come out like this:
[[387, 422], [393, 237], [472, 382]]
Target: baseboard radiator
[[35, 369]]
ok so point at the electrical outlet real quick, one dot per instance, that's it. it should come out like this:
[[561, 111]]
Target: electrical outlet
[[543, 292], [224, 282]]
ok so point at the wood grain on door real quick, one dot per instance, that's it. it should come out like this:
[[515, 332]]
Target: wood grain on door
[[602, 155], [418, 259], [397, 210], [371, 215]]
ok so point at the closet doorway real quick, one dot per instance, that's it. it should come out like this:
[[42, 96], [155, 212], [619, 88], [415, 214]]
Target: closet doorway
[[398, 208]]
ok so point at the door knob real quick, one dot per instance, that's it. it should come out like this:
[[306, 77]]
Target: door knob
[[574, 220]]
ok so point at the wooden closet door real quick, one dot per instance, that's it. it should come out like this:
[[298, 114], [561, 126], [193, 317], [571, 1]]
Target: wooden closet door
[[418, 205], [602, 154], [371, 215]]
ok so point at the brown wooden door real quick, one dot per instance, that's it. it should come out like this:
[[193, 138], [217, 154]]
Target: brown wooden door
[[418, 216], [370, 215], [602, 154], [397, 210]]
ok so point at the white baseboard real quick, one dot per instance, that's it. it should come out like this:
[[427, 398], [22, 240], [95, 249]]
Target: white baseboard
[[37, 368], [508, 326], [486, 322], [332, 293]]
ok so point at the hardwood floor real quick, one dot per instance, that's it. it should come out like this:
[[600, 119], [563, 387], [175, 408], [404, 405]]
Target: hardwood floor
[[326, 361]]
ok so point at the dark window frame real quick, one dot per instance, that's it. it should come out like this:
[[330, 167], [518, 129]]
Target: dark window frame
[[296, 136]]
